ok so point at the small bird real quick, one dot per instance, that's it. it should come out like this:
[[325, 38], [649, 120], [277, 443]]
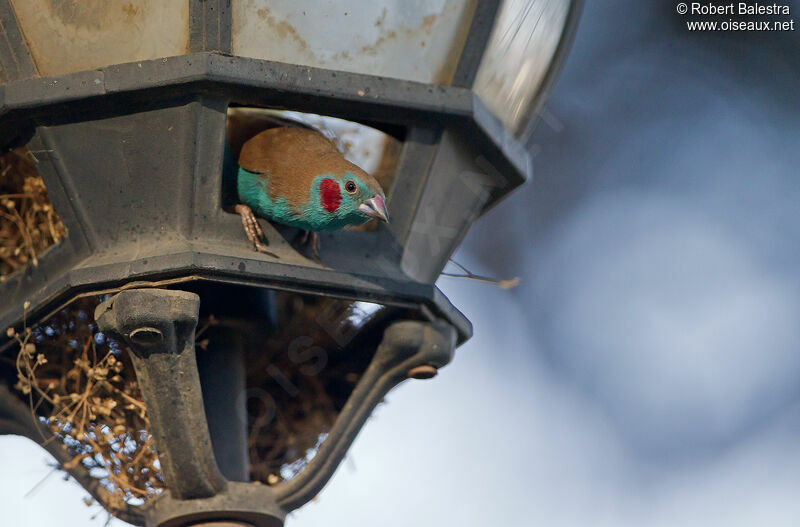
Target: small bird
[[297, 177]]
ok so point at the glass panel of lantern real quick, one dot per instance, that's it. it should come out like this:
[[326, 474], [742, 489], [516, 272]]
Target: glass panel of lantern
[[66, 36], [410, 40], [521, 48]]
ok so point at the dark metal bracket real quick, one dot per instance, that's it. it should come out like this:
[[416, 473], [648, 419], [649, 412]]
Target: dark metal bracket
[[210, 25], [158, 326], [406, 346]]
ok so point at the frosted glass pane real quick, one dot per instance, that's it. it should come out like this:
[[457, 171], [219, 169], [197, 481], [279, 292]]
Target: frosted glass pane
[[407, 39], [520, 50], [66, 36]]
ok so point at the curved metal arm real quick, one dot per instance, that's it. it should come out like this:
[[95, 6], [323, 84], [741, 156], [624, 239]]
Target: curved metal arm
[[158, 325], [406, 345]]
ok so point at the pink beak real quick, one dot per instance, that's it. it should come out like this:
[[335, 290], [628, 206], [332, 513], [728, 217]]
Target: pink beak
[[375, 207]]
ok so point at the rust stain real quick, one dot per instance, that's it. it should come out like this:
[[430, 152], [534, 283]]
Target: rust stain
[[381, 19], [427, 25], [91, 14], [282, 28], [428, 22], [131, 10], [424, 33], [372, 49]]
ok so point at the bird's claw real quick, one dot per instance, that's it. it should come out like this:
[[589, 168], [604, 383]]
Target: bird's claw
[[315, 247], [312, 238], [252, 229]]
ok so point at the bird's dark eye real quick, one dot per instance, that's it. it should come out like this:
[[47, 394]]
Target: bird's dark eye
[[350, 187]]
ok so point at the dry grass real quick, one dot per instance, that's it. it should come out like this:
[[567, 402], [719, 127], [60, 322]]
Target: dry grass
[[28, 223], [302, 399], [84, 387]]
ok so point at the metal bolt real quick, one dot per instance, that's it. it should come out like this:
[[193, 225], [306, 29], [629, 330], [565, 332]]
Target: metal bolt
[[146, 336], [222, 524], [423, 372]]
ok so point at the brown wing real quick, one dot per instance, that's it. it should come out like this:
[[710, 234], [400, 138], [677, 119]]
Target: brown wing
[[244, 123], [291, 158]]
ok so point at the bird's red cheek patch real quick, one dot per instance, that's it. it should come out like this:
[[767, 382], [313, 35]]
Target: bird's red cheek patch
[[330, 195]]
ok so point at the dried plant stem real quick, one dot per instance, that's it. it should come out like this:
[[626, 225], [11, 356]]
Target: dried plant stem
[[466, 273]]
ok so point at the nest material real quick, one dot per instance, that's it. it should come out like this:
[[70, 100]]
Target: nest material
[[303, 396], [28, 222], [84, 387]]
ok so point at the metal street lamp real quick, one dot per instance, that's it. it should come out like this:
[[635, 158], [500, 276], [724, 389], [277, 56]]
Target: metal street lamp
[[127, 104]]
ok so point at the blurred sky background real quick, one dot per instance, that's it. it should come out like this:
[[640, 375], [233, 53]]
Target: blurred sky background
[[647, 370]]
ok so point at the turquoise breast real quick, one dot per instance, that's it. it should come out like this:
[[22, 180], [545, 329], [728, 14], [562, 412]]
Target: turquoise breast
[[253, 192]]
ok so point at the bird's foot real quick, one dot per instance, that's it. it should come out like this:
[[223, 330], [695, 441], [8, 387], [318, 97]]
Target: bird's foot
[[252, 229], [315, 246], [312, 238]]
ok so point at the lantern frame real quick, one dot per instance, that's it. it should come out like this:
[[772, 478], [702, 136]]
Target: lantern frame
[[173, 110]]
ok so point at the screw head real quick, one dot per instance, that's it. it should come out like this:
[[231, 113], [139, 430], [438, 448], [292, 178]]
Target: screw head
[[423, 372]]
